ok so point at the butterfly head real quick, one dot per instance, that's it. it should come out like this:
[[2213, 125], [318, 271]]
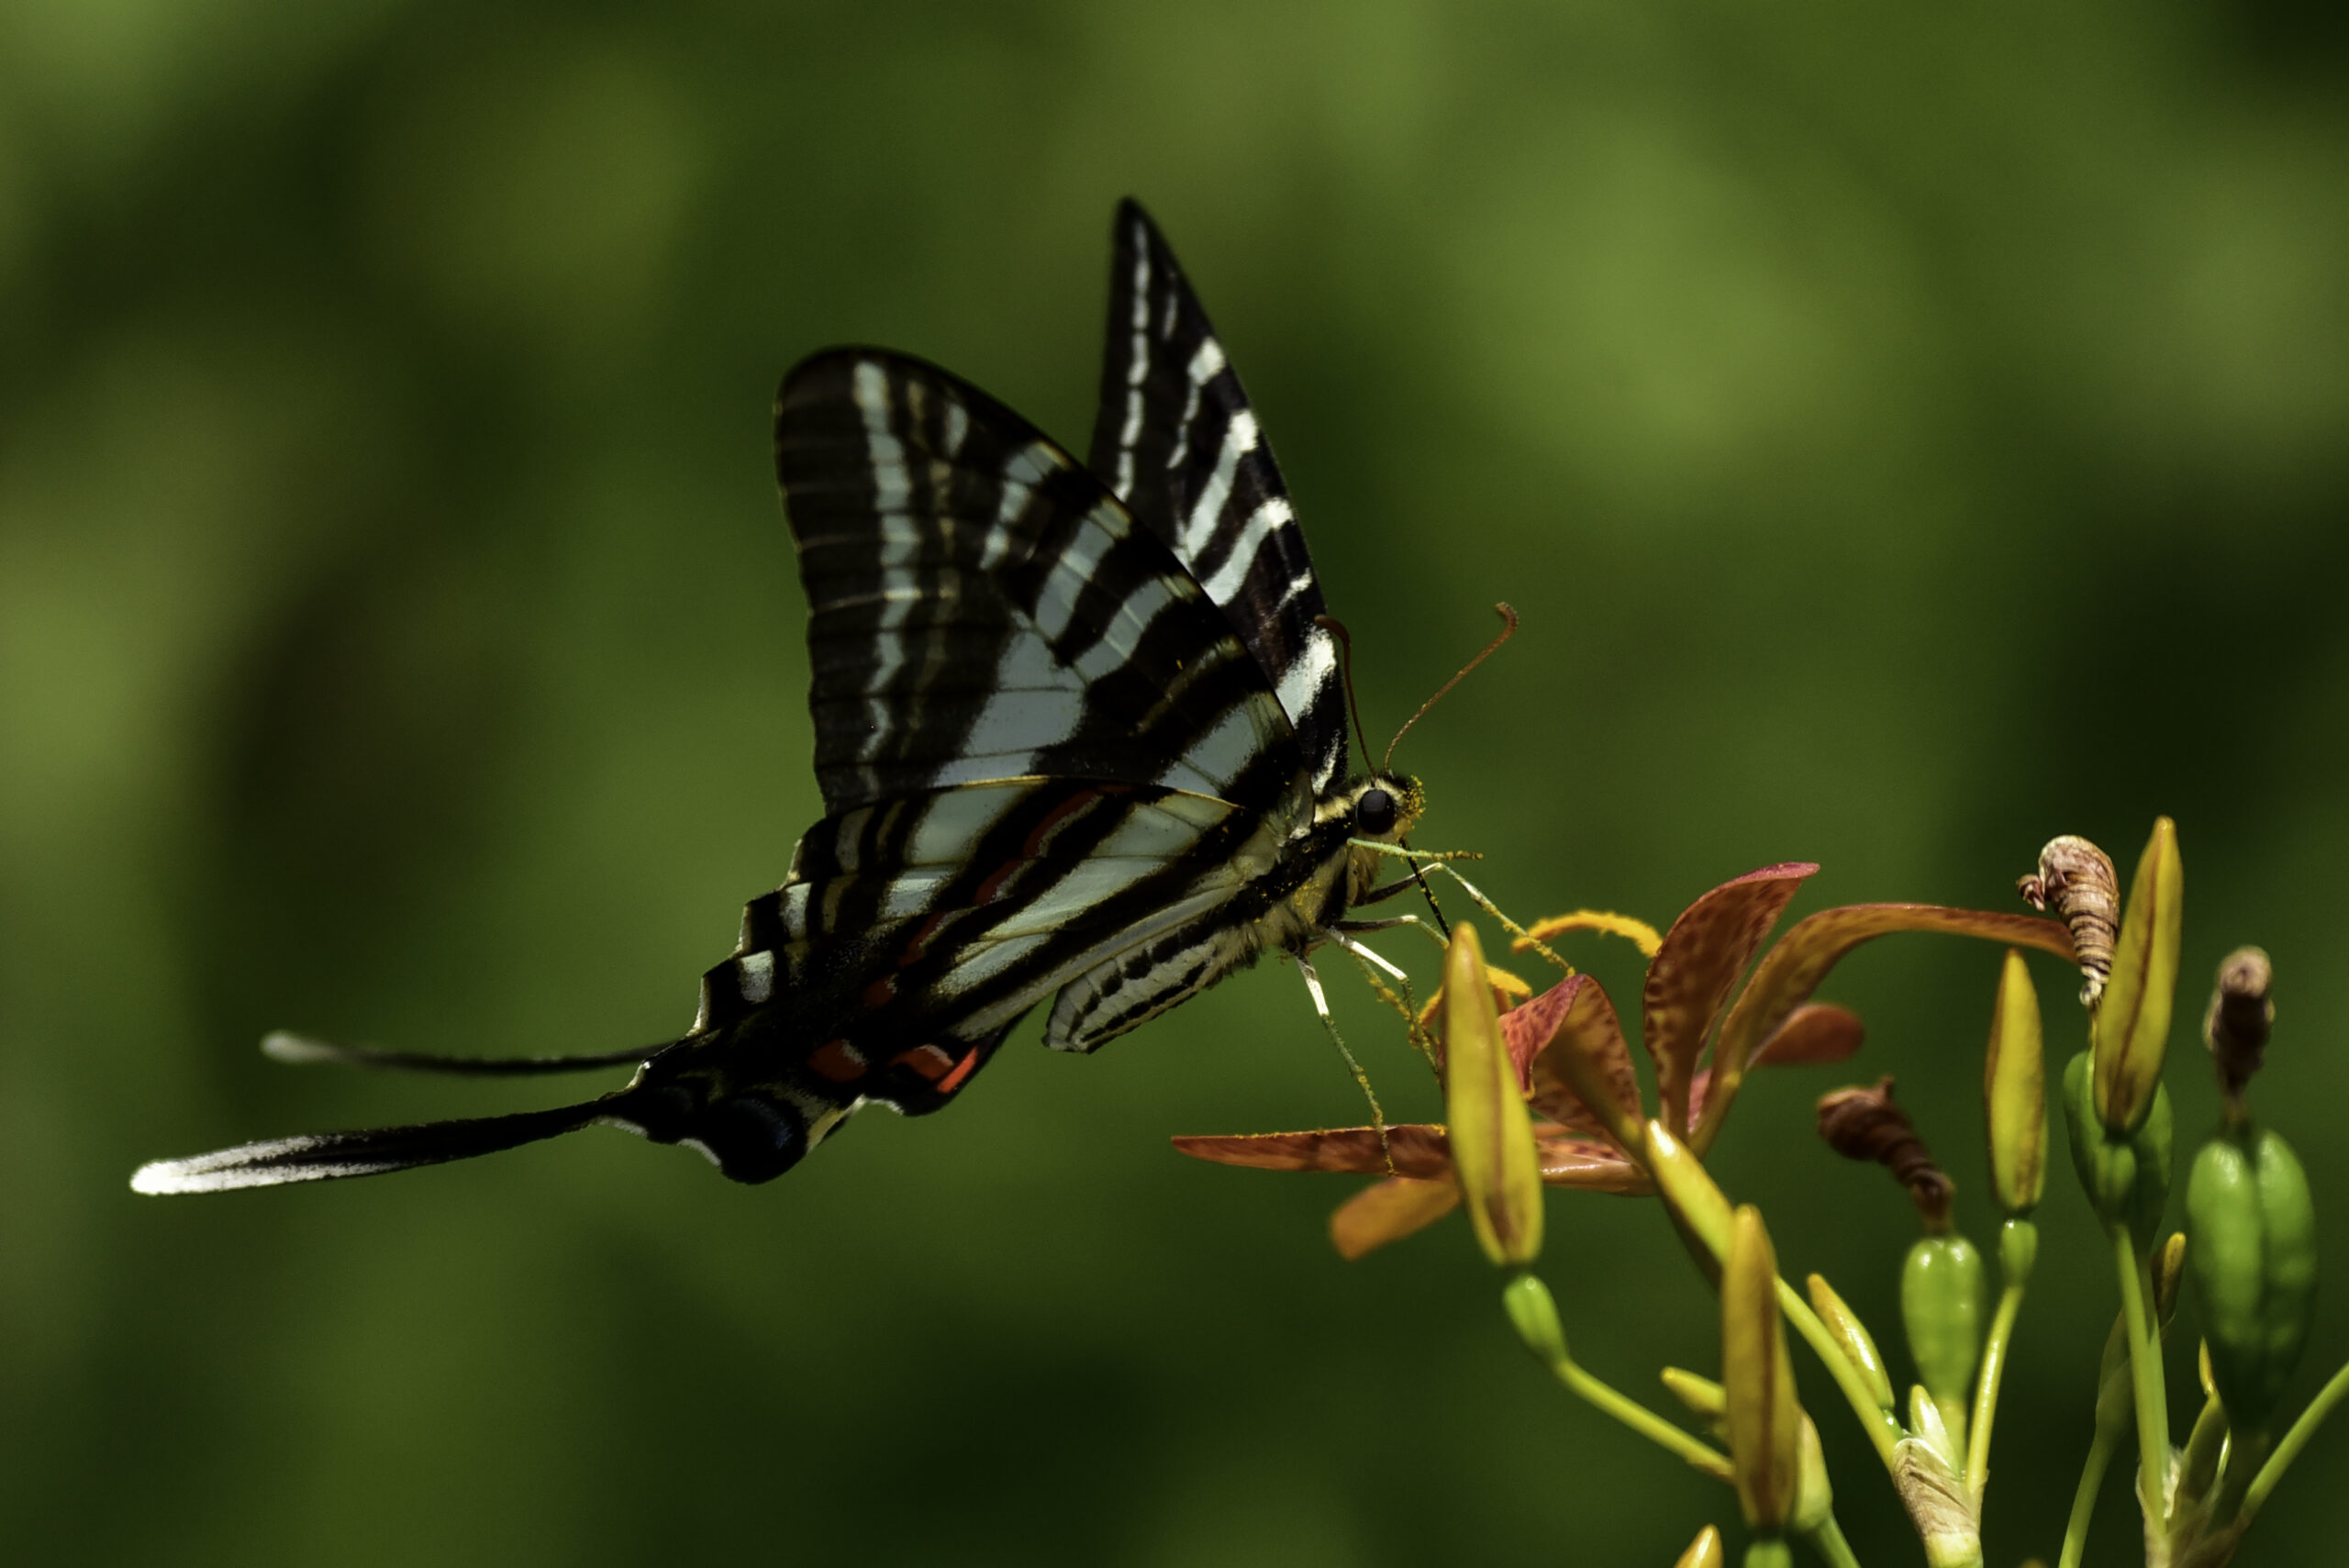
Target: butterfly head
[[1380, 805], [1377, 807], [1385, 806]]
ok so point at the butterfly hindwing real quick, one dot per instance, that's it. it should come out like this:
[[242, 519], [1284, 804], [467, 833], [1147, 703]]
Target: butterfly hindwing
[[1175, 438]]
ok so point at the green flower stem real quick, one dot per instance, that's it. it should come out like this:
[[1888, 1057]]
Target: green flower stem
[[1882, 1429], [1640, 1418], [2145, 1369], [2075, 1530], [1770, 1551], [1985, 1391], [2294, 1440], [1828, 1542]]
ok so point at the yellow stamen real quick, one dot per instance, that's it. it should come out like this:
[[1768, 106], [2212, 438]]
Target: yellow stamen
[[1639, 932]]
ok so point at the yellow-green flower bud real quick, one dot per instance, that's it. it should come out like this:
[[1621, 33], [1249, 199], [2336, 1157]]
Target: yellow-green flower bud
[[1814, 1492], [1705, 1552], [2253, 1266], [1701, 1395], [2130, 1032], [1697, 1208], [1940, 1306], [1758, 1378], [2125, 1175], [1852, 1337], [2169, 1272], [1490, 1132], [2014, 1092], [1534, 1313]]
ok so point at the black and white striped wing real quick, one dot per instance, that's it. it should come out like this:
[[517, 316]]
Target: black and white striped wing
[[982, 608], [1175, 440], [972, 904]]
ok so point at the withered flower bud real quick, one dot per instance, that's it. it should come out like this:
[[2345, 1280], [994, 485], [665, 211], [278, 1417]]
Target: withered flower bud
[[1864, 1124], [2077, 878], [2235, 1029]]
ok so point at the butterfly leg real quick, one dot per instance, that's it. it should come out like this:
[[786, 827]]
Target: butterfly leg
[[1365, 927], [1337, 933], [1386, 891], [1362, 1079], [1524, 938]]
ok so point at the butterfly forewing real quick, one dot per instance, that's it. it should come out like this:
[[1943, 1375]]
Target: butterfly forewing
[[1175, 438], [981, 608]]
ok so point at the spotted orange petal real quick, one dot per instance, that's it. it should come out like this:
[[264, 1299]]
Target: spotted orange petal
[[1588, 1164], [1689, 978], [1795, 964], [1574, 1060], [1419, 1150]]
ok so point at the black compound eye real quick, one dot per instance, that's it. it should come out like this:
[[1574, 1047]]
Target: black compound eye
[[1374, 812]]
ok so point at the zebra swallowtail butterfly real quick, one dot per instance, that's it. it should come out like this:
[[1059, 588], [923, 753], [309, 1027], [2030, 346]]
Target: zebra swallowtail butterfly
[[1081, 734]]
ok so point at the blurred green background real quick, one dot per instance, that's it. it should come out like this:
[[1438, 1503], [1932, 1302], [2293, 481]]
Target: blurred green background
[[1908, 434]]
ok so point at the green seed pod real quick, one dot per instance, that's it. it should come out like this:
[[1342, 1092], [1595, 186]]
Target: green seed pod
[[2018, 1250], [1941, 1306], [2014, 1092], [2125, 1175], [2253, 1262]]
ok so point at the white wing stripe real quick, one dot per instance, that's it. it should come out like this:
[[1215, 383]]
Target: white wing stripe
[[1238, 440], [889, 483], [1274, 514], [1137, 365], [1314, 669]]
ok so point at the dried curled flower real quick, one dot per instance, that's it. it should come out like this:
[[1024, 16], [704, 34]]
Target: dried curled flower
[[1864, 1124], [2241, 1014], [2077, 878]]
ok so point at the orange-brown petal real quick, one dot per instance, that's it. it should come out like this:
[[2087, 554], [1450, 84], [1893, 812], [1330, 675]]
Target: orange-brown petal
[[1419, 1150], [1589, 1165], [1795, 964], [1689, 978], [1813, 1035], [1577, 1065], [1388, 1212]]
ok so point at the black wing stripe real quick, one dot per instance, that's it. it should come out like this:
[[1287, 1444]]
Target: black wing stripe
[[1175, 438]]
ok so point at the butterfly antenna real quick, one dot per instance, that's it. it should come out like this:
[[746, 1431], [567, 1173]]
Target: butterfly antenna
[[1509, 630], [1337, 629]]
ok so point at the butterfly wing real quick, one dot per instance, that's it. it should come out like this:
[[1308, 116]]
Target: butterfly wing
[[981, 608], [1044, 748], [1176, 441]]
